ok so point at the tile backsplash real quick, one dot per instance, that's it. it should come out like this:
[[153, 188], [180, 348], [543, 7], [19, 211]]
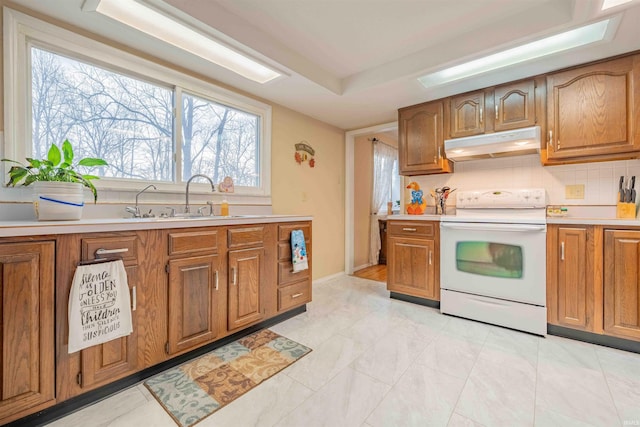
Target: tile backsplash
[[600, 179]]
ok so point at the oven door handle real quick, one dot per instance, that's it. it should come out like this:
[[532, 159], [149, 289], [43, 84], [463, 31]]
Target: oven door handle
[[522, 228]]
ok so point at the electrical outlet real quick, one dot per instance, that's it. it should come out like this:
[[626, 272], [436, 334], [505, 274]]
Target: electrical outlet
[[574, 191]]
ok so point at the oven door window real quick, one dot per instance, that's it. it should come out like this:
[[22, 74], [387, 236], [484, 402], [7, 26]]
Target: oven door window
[[489, 259]]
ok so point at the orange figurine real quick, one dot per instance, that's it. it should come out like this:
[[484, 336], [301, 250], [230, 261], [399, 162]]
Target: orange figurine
[[418, 203]]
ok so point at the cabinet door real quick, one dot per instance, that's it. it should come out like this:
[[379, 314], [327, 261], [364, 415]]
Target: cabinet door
[[193, 287], [103, 363], [411, 267], [622, 284], [515, 105], [574, 298], [245, 272], [421, 139], [593, 110], [27, 371], [467, 114]]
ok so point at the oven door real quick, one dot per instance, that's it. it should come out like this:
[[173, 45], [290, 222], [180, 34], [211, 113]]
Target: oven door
[[506, 261]]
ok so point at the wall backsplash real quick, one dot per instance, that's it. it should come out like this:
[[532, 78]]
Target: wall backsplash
[[600, 179]]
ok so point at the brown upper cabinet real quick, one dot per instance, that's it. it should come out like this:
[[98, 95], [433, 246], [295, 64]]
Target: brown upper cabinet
[[504, 107], [421, 139], [467, 114], [594, 112], [514, 105]]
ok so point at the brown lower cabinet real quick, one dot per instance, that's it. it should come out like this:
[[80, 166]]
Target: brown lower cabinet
[[104, 363], [26, 328], [189, 287], [194, 272], [593, 279], [413, 258], [622, 283], [294, 287], [570, 280]]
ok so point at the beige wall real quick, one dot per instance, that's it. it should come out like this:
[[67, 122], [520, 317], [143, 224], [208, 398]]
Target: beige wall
[[363, 188], [296, 189], [318, 191]]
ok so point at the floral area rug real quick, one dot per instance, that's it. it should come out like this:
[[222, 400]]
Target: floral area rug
[[198, 388]]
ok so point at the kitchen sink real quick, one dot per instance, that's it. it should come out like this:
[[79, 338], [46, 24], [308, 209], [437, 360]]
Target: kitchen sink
[[190, 217]]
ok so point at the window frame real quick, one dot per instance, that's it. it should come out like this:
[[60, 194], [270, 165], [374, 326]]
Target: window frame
[[22, 31]]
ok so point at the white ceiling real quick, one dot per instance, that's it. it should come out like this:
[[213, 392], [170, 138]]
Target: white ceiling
[[353, 63]]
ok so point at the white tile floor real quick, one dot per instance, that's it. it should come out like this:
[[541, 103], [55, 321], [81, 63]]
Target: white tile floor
[[381, 362]]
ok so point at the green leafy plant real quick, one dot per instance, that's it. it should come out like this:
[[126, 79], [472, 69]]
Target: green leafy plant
[[58, 166]]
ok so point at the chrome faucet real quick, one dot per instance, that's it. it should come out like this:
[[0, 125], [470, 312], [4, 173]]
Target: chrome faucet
[[187, 208], [135, 211]]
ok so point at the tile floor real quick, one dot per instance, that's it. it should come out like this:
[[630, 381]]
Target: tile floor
[[381, 362]]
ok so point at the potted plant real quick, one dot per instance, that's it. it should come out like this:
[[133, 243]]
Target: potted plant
[[58, 185]]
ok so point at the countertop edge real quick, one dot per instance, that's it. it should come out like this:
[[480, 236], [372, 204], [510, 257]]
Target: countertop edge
[[595, 221], [41, 228]]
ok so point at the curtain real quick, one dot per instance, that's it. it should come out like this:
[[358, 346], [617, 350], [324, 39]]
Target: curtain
[[384, 157]]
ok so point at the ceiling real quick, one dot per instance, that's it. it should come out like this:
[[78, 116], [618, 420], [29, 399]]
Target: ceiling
[[353, 63]]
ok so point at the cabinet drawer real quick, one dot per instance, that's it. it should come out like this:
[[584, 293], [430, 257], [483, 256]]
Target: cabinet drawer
[[294, 295], [193, 241], [246, 236], [284, 250], [284, 231], [286, 274], [422, 229], [115, 247]]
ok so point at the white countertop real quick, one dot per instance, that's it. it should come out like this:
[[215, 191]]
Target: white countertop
[[577, 219], [33, 228]]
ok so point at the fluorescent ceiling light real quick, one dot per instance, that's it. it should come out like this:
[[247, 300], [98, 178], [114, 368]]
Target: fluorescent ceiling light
[[170, 30], [606, 4], [554, 44]]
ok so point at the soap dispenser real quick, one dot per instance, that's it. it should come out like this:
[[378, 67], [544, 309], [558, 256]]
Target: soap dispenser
[[224, 208]]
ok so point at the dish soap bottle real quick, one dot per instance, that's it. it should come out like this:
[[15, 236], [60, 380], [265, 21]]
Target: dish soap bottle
[[224, 208]]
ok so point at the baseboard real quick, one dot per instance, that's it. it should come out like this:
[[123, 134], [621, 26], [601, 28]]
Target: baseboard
[[329, 278], [604, 340], [361, 267], [415, 300], [76, 403]]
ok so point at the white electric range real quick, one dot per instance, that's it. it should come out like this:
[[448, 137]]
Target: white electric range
[[493, 258]]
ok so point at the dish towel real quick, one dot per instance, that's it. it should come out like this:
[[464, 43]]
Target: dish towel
[[99, 305], [298, 251]]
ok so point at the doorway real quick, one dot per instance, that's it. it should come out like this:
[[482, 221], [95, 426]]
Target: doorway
[[357, 212]]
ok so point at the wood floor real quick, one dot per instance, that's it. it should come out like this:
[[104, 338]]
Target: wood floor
[[375, 272]]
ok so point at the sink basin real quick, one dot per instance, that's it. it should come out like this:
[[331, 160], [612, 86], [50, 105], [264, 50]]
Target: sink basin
[[191, 217]]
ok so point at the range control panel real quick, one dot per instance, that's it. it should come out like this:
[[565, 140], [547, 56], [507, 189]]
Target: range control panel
[[492, 199]]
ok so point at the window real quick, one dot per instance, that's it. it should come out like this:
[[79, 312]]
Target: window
[[150, 123], [126, 121]]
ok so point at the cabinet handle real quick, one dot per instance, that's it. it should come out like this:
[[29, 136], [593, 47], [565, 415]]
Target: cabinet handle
[[550, 138], [200, 267], [561, 251], [481, 114], [233, 276], [103, 251], [216, 273], [438, 154], [496, 112], [296, 295], [409, 229], [134, 298], [430, 257]]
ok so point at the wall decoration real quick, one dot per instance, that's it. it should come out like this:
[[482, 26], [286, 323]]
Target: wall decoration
[[226, 186], [304, 152]]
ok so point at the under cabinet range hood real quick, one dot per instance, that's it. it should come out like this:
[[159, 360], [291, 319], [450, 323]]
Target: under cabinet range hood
[[492, 145]]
